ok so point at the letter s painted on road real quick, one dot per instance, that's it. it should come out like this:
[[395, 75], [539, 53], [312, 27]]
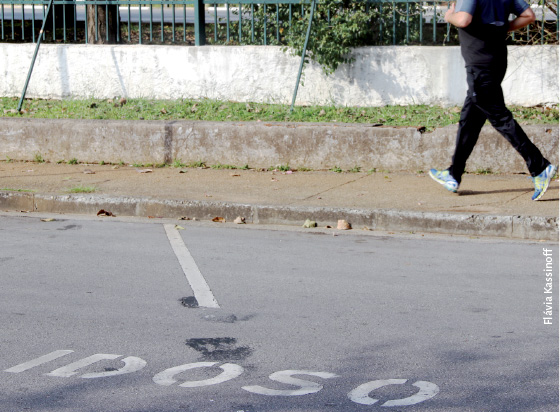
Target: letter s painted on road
[[305, 387]]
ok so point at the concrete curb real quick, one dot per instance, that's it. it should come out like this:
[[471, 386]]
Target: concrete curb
[[519, 227], [261, 144]]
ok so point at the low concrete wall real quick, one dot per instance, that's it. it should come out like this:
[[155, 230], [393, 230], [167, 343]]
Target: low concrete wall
[[316, 146], [380, 76]]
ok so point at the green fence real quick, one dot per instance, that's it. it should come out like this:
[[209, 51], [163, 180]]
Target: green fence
[[203, 22]]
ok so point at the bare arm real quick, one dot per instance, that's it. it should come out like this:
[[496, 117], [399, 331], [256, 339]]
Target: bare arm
[[460, 19], [524, 19]]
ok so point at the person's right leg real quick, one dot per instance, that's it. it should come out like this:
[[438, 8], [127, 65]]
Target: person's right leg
[[471, 122]]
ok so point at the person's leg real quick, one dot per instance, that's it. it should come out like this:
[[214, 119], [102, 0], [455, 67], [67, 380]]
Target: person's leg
[[490, 101], [471, 122]]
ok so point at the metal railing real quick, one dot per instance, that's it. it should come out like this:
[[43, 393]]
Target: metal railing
[[243, 22]]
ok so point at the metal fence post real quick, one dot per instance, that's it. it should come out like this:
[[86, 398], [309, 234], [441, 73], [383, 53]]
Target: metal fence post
[[199, 23], [303, 54], [39, 38]]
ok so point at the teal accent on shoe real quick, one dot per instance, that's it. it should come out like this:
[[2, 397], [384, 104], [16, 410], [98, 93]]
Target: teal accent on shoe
[[444, 178], [542, 181]]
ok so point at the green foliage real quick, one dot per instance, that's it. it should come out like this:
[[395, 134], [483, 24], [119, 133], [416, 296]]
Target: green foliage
[[220, 166], [280, 168], [73, 161], [430, 117], [338, 27], [39, 158], [178, 163], [83, 189], [336, 169], [198, 164]]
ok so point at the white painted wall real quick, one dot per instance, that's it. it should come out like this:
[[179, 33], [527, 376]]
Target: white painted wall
[[380, 76]]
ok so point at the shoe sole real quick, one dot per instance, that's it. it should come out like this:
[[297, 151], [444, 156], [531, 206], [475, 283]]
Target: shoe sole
[[441, 182], [552, 174]]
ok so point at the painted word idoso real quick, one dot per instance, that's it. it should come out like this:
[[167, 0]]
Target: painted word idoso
[[226, 372]]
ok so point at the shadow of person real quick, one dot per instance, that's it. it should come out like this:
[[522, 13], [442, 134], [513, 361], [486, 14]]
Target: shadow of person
[[489, 192]]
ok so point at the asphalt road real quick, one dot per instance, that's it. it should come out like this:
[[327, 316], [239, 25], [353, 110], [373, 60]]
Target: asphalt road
[[95, 317]]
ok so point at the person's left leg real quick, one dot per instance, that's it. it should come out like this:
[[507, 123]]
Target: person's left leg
[[490, 100]]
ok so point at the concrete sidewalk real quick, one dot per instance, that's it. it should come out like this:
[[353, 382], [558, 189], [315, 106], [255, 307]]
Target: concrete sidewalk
[[486, 205]]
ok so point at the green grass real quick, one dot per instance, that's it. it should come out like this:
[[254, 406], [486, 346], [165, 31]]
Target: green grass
[[16, 190], [197, 164], [83, 189], [39, 158], [212, 110], [482, 171], [73, 161], [280, 168], [178, 163], [220, 166]]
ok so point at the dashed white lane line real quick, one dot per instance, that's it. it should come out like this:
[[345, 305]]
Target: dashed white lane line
[[201, 290]]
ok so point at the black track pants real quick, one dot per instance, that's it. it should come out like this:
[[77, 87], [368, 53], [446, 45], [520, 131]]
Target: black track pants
[[485, 100]]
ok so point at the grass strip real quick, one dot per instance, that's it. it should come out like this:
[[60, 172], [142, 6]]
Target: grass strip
[[430, 117]]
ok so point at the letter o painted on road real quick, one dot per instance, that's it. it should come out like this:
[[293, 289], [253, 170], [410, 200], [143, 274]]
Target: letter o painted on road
[[229, 371], [361, 393]]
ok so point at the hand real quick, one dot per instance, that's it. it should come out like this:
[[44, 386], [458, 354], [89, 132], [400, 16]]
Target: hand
[[449, 12]]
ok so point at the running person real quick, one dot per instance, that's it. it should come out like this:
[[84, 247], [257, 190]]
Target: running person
[[483, 26]]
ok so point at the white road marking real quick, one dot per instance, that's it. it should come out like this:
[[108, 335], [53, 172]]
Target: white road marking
[[39, 361], [167, 377], [306, 387], [427, 390], [361, 393], [131, 364], [70, 370], [201, 290]]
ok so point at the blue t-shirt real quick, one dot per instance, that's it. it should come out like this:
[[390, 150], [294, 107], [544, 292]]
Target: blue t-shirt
[[492, 11], [483, 41]]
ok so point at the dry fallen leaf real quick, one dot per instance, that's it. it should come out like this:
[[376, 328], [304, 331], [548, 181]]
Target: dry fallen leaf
[[144, 170], [179, 227], [343, 225], [328, 227], [89, 172], [184, 218], [239, 220], [310, 223], [219, 219], [274, 179], [48, 220], [105, 213], [235, 175]]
